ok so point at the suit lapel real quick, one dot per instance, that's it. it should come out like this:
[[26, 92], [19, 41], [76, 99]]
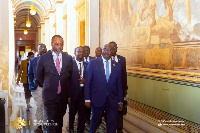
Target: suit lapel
[[113, 68], [52, 64], [63, 63], [101, 67]]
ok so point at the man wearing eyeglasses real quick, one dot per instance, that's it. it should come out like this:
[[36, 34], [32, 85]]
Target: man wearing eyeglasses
[[103, 90], [54, 71], [122, 61]]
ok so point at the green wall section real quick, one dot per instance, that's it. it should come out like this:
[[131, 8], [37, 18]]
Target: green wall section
[[176, 99]]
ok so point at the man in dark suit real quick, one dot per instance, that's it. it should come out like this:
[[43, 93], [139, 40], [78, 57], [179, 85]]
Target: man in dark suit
[[54, 71], [76, 98], [87, 58], [121, 60], [98, 52], [103, 90]]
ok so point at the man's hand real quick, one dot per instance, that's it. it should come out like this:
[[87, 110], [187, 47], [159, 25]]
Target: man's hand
[[120, 107], [81, 80], [69, 101], [88, 104], [125, 93]]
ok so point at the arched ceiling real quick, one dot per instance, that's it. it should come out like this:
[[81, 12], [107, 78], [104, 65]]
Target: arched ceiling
[[21, 8]]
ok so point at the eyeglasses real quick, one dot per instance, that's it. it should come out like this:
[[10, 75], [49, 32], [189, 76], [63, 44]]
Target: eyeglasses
[[107, 50]]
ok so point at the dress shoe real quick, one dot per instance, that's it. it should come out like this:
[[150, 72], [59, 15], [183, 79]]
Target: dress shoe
[[38, 130], [119, 131], [71, 130]]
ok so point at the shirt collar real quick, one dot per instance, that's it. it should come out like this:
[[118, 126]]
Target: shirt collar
[[104, 60]]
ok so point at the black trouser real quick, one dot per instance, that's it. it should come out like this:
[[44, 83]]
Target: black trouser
[[120, 120], [74, 107], [56, 109]]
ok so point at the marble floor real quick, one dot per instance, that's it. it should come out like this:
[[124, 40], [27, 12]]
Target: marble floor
[[17, 111]]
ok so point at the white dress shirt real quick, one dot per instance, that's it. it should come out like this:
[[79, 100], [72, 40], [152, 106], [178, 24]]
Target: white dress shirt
[[104, 63], [59, 57], [82, 69], [116, 59]]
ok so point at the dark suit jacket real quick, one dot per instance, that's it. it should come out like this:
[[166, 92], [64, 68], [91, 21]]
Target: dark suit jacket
[[48, 77], [75, 88], [122, 62], [33, 84], [96, 86]]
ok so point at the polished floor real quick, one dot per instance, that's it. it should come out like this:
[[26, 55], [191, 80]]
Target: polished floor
[[17, 110]]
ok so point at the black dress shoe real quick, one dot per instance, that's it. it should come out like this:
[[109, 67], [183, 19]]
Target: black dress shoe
[[71, 130], [38, 130], [119, 131]]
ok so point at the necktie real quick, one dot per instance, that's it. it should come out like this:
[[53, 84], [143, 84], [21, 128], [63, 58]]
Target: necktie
[[58, 69], [80, 69], [114, 58], [107, 71], [86, 59]]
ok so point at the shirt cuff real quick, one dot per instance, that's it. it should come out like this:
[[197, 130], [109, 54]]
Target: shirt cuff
[[87, 101], [120, 103]]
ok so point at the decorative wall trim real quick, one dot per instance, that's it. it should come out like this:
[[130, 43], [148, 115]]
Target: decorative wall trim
[[162, 118], [176, 77]]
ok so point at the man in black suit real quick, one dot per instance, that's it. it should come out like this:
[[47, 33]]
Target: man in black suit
[[54, 71], [76, 99], [122, 60]]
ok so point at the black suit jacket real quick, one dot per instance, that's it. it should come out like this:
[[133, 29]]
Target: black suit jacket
[[122, 62], [75, 88], [48, 77]]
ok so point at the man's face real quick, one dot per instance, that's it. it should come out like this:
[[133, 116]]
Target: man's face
[[57, 45], [79, 54], [31, 56], [42, 49], [98, 52], [114, 47], [107, 51], [86, 51]]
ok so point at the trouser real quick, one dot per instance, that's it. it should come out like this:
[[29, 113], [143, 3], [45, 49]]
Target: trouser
[[56, 109], [40, 114]]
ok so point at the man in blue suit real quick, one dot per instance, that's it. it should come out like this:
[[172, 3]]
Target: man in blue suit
[[35, 89], [103, 90], [54, 71], [76, 98], [122, 61]]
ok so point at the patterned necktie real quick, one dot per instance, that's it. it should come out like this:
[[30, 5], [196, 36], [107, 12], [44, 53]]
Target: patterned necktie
[[58, 69], [107, 71]]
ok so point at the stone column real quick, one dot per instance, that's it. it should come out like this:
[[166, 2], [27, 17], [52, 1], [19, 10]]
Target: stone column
[[42, 33], [71, 27], [92, 21], [47, 34], [59, 20], [7, 46]]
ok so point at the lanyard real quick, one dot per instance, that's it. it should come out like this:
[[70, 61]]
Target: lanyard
[[80, 69]]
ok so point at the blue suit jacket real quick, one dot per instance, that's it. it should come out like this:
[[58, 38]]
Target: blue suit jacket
[[96, 86], [48, 77], [122, 62], [33, 84], [75, 89]]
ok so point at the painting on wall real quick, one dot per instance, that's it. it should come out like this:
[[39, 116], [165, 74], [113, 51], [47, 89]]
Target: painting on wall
[[135, 24]]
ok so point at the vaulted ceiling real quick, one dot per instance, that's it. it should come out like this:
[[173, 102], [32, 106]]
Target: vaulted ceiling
[[21, 8]]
